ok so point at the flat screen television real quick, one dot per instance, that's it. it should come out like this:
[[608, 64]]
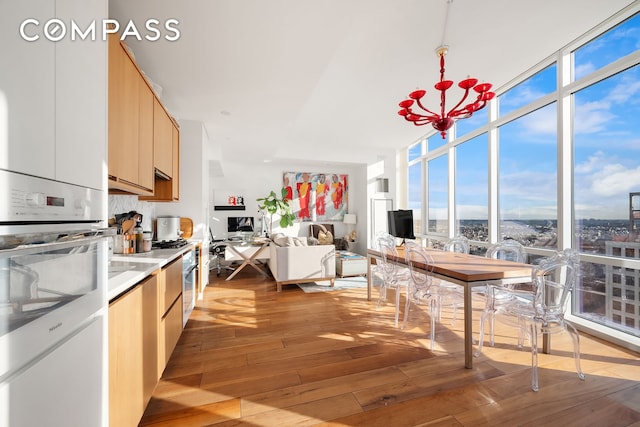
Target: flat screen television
[[400, 224], [239, 223]]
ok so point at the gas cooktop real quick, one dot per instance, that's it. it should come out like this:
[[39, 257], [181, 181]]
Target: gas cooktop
[[169, 244]]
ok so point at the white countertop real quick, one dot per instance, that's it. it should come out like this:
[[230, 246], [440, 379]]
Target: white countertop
[[127, 270]]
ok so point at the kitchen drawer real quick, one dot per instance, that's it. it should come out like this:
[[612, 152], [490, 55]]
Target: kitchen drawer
[[170, 284], [169, 334]]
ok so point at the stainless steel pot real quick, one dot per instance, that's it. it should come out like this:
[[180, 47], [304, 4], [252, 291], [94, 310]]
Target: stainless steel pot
[[167, 228]]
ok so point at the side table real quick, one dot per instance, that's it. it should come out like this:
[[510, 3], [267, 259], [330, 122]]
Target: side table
[[350, 264]]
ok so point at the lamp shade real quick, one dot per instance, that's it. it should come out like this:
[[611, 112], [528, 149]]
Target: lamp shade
[[349, 218]]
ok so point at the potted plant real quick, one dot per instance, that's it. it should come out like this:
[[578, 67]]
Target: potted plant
[[273, 204]]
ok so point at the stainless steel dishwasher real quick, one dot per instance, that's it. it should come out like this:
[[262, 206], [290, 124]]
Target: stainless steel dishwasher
[[189, 269]]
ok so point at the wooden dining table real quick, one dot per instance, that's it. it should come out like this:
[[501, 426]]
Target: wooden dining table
[[466, 270]]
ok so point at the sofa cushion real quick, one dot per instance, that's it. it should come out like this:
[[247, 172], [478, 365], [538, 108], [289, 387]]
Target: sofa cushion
[[286, 241]]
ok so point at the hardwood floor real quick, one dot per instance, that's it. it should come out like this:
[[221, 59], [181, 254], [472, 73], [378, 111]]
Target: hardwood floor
[[250, 356]]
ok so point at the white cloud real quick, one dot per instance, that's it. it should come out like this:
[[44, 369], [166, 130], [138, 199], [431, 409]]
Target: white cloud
[[540, 122], [592, 163], [592, 117], [583, 69], [615, 180]]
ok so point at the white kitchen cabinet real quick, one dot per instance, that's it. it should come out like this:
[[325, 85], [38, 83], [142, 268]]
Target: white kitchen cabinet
[[81, 98], [53, 94], [27, 91], [55, 391]]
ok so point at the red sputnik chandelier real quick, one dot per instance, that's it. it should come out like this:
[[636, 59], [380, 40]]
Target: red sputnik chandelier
[[443, 120]]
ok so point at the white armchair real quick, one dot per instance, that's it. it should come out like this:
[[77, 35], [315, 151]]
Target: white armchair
[[300, 264]]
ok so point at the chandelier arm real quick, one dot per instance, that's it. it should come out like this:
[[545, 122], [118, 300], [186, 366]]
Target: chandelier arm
[[453, 111], [434, 115], [423, 121]]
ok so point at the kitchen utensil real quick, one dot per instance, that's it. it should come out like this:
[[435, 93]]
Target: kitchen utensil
[[127, 226], [186, 226]]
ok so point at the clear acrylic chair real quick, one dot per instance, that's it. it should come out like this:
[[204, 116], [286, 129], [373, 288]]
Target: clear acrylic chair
[[393, 276], [541, 310], [423, 288], [458, 244], [508, 250]]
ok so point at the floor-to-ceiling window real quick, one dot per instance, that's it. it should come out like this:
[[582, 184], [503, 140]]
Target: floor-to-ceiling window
[[438, 195], [556, 165], [471, 189], [527, 184], [414, 184], [606, 173]]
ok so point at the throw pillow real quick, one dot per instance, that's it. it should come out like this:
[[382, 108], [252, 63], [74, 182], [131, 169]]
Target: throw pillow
[[313, 241], [325, 238]]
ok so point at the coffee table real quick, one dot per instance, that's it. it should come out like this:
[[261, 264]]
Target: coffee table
[[350, 264]]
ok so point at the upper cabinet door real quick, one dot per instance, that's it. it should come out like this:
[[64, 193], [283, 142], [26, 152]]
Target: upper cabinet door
[[27, 90], [162, 137], [53, 93], [146, 175], [81, 98]]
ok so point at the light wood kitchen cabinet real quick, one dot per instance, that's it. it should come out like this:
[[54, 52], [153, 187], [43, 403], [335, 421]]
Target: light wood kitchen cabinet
[[133, 354], [144, 141], [145, 325], [168, 190], [128, 156], [170, 311], [146, 176], [175, 182], [162, 134], [170, 331]]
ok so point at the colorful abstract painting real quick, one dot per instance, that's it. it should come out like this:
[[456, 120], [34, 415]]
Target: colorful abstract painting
[[317, 196]]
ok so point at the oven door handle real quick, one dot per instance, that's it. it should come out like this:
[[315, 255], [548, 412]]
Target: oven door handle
[[73, 242], [190, 270]]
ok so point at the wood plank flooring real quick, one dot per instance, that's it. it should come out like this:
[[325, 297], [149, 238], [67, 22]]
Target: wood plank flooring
[[250, 356]]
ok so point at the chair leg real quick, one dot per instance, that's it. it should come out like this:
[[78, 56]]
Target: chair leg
[[521, 333], [534, 356], [432, 333], [382, 296], [397, 304], [407, 306], [483, 318], [576, 348]]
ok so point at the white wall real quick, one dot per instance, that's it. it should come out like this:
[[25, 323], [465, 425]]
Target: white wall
[[194, 170], [386, 167], [256, 180]]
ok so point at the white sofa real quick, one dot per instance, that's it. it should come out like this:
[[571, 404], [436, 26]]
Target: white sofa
[[300, 264]]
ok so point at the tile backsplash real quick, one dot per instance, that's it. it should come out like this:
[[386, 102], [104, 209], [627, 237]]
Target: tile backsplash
[[123, 204]]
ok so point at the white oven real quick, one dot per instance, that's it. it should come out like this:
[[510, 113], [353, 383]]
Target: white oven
[[53, 304]]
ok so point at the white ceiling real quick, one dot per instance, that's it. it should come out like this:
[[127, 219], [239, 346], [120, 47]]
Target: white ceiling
[[283, 80]]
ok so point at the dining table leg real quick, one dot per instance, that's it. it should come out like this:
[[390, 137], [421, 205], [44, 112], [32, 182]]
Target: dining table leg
[[468, 327]]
